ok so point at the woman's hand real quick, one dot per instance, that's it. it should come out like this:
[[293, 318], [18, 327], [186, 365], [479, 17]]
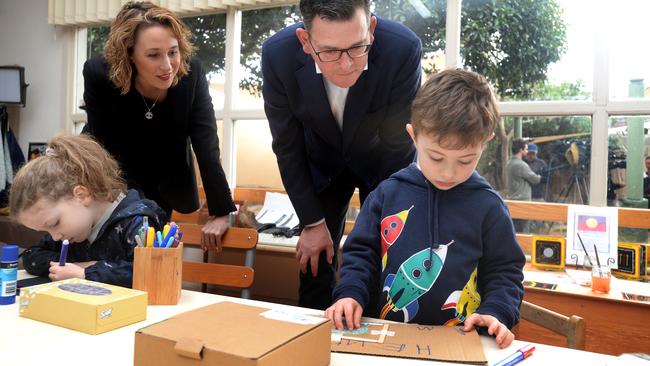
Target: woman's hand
[[213, 230]]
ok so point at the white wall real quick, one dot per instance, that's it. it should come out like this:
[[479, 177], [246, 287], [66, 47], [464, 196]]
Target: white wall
[[26, 39]]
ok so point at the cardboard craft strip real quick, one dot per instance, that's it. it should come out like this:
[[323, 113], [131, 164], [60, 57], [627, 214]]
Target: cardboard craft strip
[[438, 343]]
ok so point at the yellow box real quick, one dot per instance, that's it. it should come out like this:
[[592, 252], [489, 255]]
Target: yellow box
[[548, 252], [86, 306], [632, 261]]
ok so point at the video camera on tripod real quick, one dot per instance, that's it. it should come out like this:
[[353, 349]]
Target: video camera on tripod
[[616, 160], [574, 155]]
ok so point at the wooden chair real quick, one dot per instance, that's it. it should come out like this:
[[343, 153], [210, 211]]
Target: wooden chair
[[573, 327], [221, 274]]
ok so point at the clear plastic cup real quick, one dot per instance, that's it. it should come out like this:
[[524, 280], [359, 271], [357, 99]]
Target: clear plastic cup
[[601, 279]]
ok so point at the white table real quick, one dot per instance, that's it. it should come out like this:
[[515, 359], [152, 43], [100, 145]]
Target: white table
[[28, 342]]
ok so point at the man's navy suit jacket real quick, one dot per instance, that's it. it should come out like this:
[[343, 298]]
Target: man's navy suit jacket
[[311, 149]]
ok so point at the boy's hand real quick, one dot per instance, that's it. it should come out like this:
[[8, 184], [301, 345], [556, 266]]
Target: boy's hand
[[313, 240], [212, 231], [70, 270], [349, 308], [494, 327]]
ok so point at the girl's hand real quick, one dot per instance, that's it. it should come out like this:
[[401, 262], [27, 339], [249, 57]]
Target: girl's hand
[[70, 270]]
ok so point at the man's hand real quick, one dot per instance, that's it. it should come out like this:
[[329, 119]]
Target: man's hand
[[213, 230], [503, 335], [349, 308], [70, 270], [313, 240]]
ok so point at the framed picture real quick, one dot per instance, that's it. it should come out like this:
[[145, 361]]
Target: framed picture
[[36, 149]]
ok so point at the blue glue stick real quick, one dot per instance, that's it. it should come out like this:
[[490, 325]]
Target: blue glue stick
[[8, 274]]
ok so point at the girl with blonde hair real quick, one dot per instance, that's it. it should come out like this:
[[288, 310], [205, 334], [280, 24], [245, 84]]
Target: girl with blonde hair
[[75, 193]]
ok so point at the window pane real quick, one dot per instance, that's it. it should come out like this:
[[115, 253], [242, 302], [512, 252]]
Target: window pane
[[627, 169], [628, 184], [426, 18], [256, 163], [563, 149], [210, 41], [257, 26], [563, 143], [96, 39], [532, 50], [628, 65]]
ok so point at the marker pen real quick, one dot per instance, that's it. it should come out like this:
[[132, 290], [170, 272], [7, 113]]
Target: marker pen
[[517, 357], [64, 253]]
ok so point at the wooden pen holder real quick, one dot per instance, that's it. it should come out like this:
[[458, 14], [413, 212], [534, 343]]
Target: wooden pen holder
[[159, 272]]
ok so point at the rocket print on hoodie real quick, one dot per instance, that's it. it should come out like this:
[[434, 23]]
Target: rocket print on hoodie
[[415, 276], [464, 302], [391, 228]]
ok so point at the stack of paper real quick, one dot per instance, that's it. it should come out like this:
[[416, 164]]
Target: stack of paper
[[277, 210]]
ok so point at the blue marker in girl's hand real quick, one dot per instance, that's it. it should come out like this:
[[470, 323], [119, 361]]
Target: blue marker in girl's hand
[[64, 253]]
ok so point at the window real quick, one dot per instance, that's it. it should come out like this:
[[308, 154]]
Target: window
[[563, 144], [95, 40], [210, 42], [627, 169], [426, 18], [629, 60], [540, 55], [255, 161], [257, 27], [531, 50]]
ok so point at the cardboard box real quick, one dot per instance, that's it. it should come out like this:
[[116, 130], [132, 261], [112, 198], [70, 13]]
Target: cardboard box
[[227, 333], [86, 306]]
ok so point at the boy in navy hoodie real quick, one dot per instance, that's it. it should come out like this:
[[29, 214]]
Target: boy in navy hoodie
[[434, 244]]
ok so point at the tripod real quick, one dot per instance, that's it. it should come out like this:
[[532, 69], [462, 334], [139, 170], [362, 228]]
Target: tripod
[[576, 188]]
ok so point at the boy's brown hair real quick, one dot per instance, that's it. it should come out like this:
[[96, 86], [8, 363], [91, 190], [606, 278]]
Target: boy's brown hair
[[69, 161], [134, 17], [456, 107]]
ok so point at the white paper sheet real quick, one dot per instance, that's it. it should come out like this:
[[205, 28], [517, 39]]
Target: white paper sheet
[[277, 210]]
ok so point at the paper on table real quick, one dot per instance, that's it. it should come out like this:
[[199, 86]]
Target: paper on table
[[582, 278], [277, 210], [547, 277]]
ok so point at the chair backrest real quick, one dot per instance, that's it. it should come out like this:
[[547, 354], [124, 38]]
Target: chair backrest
[[573, 327], [222, 274]]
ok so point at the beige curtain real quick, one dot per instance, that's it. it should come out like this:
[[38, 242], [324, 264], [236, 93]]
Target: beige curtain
[[85, 13]]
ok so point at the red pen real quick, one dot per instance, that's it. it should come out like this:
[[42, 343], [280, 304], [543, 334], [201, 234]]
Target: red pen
[[518, 356]]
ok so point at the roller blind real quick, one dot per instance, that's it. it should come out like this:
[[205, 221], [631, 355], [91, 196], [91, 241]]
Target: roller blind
[[96, 12]]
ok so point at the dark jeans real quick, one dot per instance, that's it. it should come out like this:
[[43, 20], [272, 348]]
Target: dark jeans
[[316, 292]]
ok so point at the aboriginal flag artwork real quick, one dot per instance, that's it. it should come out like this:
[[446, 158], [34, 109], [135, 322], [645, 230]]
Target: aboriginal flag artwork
[[592, 223]]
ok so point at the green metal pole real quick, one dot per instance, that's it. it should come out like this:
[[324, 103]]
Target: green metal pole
[[635, 160]]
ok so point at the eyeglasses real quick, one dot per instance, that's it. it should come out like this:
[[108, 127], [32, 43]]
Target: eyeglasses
[[335, 55]]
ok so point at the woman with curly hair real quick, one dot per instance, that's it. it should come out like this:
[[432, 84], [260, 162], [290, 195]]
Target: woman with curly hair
[[147, 101]]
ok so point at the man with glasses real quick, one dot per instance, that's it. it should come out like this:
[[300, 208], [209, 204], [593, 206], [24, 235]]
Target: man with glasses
[[337, 93]]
